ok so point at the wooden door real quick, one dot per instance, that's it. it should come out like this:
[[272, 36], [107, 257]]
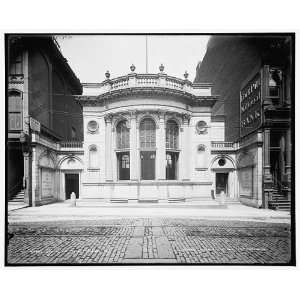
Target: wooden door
[[148, 165]]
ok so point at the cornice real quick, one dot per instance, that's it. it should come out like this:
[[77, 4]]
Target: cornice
[[147, 92]]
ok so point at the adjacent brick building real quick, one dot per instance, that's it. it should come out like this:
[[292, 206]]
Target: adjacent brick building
[[254, 77], [40, 91]]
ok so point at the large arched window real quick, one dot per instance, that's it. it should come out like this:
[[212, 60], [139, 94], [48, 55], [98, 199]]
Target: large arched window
[[147, 145], [123, 135], [15, 108], [93, 157], [172, 135], [122, 143], [172, 132], [147, 134]]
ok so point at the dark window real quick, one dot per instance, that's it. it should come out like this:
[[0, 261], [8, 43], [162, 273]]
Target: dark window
[[16, 67], [147, 134], [123, 135], [15, 108], [172, 135], [275, 85], [221, 162]]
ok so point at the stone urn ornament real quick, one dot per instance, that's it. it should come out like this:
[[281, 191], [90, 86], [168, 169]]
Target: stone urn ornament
[[161, 68], [132, 68], [107, 74]]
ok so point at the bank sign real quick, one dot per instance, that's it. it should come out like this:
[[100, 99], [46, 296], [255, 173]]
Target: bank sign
[[250, 106]]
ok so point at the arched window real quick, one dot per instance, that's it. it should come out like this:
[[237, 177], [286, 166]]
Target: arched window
[[123, 135], [148, 152], [171, 135], [201, 157], [147, 134], [15, 108], [93, 157], [172, 132]]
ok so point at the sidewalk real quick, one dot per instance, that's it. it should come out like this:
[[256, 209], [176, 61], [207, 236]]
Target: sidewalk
[[65, 212]]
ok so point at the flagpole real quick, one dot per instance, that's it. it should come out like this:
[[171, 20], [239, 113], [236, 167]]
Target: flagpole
[[146, 54]]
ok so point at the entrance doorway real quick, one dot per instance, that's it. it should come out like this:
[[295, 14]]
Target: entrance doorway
[[148, 165], [124, 165], [71, 185], [221, 183]]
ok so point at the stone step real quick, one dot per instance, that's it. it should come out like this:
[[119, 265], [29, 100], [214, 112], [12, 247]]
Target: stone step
[[148, 200], [201, 204]]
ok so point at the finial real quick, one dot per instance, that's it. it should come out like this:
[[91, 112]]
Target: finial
[[161, 68], [132, 68], [186, 75], [107, 74]]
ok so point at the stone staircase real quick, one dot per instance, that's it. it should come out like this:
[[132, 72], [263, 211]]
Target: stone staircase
[[279, 201], [18, 198]]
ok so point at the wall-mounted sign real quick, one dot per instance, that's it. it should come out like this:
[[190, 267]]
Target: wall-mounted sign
[[250, 106], [35, 125]]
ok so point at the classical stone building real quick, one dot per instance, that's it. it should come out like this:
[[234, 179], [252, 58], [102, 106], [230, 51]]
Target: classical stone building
[[149, 138], [254, 76]]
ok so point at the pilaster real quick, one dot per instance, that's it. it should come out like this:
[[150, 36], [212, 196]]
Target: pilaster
[[108, 148], [33, 177], [267, 173], [133, 146], [161, 147], [185, 148]]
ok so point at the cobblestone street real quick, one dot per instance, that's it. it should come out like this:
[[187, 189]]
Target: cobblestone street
[[149, 240]]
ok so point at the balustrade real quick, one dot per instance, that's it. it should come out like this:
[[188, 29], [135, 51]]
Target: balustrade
[[222, 145], [71, 144]]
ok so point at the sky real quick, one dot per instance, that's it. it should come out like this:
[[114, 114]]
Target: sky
[[90, 56]]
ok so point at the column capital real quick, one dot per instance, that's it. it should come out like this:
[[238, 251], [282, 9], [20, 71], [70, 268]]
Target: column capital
[[108, 118], [186, 119], [161, 114], [133, 114]]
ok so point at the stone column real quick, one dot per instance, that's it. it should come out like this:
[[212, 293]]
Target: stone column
[[185, 148], [161, 148], [267, 173], [288, 149], [133, 147], [108, 148], [33, 177], [26, 178], [267, 167]]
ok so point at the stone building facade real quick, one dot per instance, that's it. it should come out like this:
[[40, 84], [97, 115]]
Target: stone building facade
[[151, 138]]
